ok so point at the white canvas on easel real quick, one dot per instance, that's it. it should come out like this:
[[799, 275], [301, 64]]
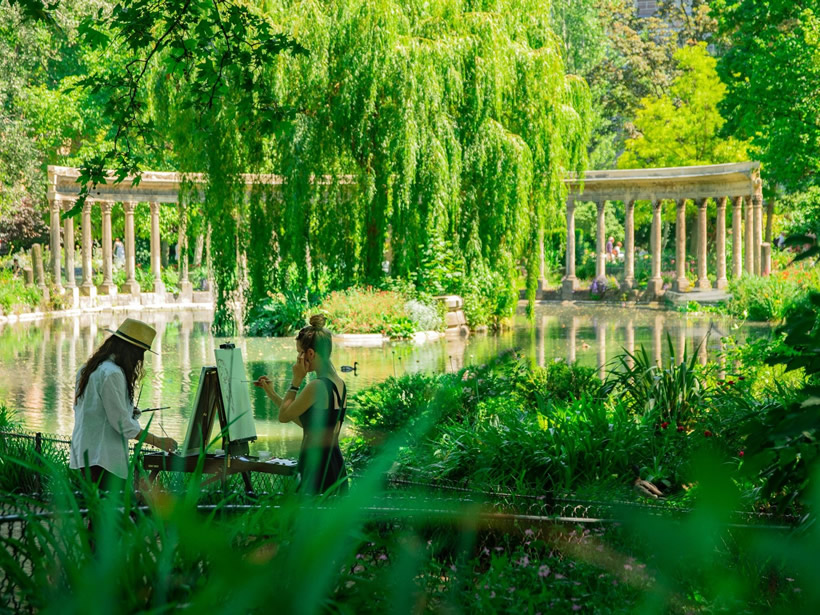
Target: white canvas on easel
[[235, 398]]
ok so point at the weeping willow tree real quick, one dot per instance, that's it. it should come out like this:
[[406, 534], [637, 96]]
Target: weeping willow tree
[[425, 131]]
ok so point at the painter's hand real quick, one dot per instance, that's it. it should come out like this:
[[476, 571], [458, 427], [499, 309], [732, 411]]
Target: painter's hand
[[265, 384], [167, 444]]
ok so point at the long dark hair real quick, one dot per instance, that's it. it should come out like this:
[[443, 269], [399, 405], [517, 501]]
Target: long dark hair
[[125, 354]]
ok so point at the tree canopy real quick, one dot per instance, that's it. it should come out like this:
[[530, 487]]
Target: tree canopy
[[772, 69], [440, 131], [683, 128]]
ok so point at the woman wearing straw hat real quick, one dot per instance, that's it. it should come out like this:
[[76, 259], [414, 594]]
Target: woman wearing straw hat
[[104, 412]]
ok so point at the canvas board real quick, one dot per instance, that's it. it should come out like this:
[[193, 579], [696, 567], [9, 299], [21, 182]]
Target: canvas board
[[235, 394]]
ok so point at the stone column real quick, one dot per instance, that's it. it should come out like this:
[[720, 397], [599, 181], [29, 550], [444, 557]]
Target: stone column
[[681, 283], [107, 287], [720, 244], [757, 205], [737, 237], [703, 276], [655, 285], [68, 246], [748, 235], [600, 260], [39, 271], [87, 288], [159, 287], [131, 285], [186, 289], [570, 282], [629, 241], [56, 273]]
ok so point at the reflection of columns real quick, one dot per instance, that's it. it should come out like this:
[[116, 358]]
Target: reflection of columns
[[703, 353], [630, 342], [87, 288], [159, 287], [600, 262], [655, 285], [131, 286], [680, 351], [54, 207], [156, 361], [540, 342], [657, 340], [68, 246], [722, 360], [185, 326], [737, 237], [748, 235], [758, 229], [601, 341], [573, 334], [107, 287], [186, 289], [629, 240], [720, 244], [570, 282], [681, 283], [703, 277]]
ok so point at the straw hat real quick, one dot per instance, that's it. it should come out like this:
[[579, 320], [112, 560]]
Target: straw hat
[[136, 332]]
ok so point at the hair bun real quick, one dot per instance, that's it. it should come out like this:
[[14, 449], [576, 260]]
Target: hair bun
[[318, 321]]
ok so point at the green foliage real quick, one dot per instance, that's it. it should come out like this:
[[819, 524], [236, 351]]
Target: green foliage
[[368, 310], [801, 211], [625, 58], [674, 393], [14, 294], [683, 127], [281, 316], [772, 297], [394, 404], [783, 440], [772, 70]]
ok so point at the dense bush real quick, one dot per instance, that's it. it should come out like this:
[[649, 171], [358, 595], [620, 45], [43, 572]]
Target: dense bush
[[771, 297], [14, 294], [368, 310], [281, 316]]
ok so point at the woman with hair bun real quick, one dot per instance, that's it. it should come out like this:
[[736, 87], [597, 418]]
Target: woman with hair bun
[[319, 410]]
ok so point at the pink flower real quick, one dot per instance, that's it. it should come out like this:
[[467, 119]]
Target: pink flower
[[529, 532], [544, 571], [576, 607], [358, 568], [524, 562], [383, 557], [492, 594]]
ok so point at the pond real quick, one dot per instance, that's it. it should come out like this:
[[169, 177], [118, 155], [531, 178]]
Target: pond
[[39, 360]]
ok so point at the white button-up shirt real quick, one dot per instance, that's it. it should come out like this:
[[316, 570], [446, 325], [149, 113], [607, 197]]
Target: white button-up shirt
[[103, 421]]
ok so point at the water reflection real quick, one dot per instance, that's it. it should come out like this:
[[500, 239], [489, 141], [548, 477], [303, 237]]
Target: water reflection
[[39, 360]]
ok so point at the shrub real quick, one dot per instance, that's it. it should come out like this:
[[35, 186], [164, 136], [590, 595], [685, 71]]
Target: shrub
[[367, 310], [14, 294], [282, 316], [772, 296]]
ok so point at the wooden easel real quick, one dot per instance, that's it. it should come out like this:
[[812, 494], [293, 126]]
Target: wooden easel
[[208, 407]]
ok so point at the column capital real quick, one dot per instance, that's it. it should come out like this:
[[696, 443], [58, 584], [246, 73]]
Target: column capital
[[721, 201], [703, 202], [600, 204], [105, 206], [129, 206], [67, 204], [657, 203], [89, 203], [154, 207]]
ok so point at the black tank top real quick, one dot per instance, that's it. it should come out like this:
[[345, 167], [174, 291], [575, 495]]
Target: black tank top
[[321, 464]]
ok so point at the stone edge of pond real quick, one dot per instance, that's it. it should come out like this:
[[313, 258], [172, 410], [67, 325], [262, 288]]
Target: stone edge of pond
[[377, 339], [128, 307]]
